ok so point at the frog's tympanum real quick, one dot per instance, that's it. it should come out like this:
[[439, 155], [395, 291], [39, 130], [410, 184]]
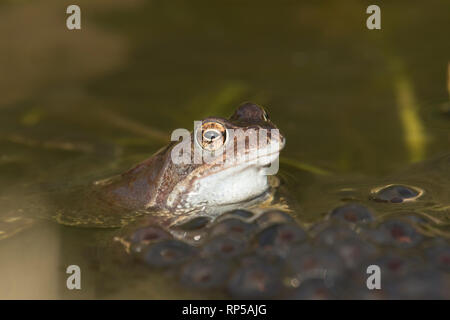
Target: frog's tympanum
[[160, 183]]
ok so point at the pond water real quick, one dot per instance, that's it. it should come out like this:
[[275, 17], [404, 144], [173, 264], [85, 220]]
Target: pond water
[[360, 109]]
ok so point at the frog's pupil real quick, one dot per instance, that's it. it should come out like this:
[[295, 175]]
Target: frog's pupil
[[210, 135]]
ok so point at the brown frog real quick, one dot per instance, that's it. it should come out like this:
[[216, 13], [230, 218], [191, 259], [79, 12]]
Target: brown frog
[[218, 170], [221, 165]]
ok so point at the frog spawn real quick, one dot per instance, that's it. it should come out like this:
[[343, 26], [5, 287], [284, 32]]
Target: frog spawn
[[271, 256]]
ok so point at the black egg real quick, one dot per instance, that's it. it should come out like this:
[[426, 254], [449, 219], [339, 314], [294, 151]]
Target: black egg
[[315, 263], [395, 233], [149, 234], [439, 256], [239, 213], [168, 253], [329, 234], [352, 212], [273, 217], [255, 281], [278, 239], [354, 252], [422, 284], [193, 224], [224, 247], [204, 273], [232, 227], [396, 194], [313, 289], [394, 266]]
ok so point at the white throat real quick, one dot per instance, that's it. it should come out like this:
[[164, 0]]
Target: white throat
[[232, 185]]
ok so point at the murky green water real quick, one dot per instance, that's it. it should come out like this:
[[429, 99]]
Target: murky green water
[[357, 107]]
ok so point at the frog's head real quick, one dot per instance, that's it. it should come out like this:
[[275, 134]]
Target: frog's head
[[229, 160], [248, 138], [237, 155]]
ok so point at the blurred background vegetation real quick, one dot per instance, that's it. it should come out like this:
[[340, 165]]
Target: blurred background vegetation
[[347, 98]]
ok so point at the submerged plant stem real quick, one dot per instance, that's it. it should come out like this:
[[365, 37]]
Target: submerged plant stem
[[414, 133], [304, 166]]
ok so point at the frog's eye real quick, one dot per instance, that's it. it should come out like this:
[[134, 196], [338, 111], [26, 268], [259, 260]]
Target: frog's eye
[[212, 135]]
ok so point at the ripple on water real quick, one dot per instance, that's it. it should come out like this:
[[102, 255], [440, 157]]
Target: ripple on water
[[396, 193]]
